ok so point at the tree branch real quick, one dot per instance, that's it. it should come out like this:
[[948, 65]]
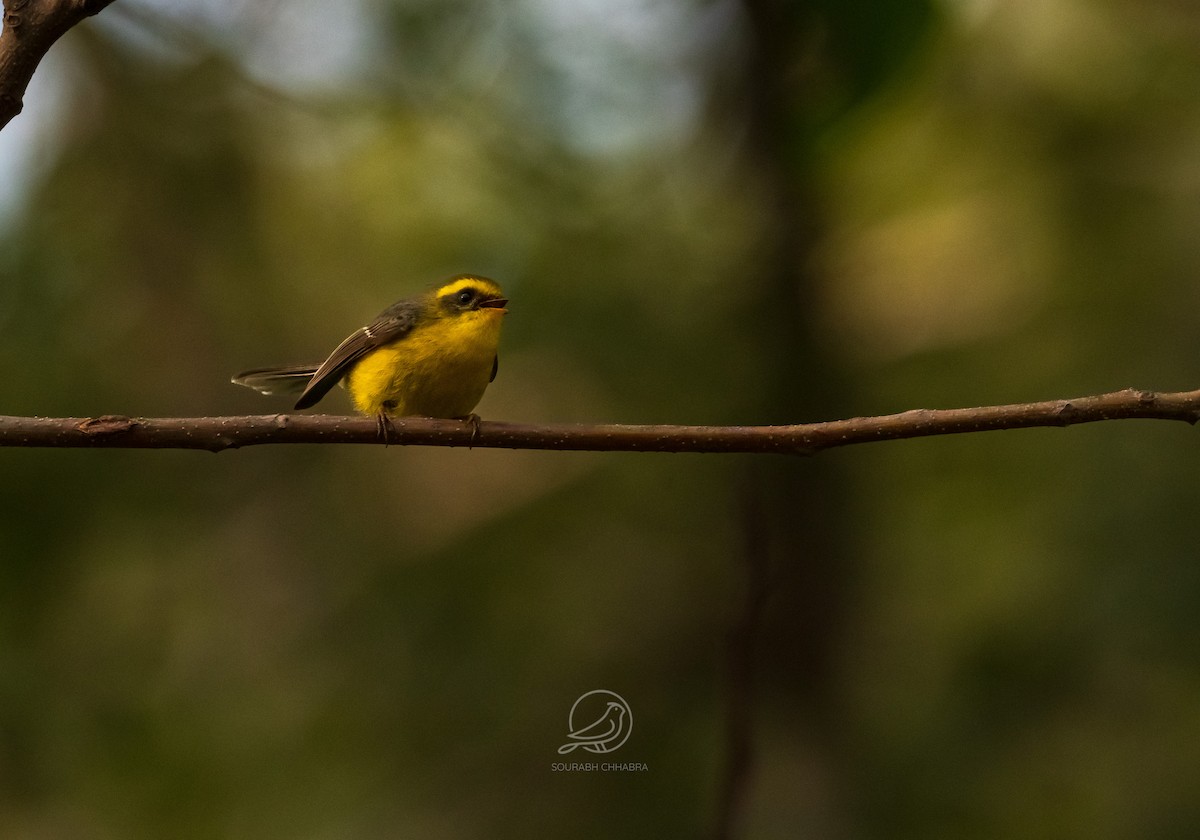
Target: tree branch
[[218, 433], [30, 28]]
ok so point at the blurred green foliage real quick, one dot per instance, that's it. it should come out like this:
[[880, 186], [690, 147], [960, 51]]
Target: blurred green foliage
[[703, 212]]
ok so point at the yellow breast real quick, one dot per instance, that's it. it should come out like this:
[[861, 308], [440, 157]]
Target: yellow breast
[[440, 369]]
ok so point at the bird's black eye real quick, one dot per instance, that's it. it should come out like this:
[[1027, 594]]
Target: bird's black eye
[[466, 296]]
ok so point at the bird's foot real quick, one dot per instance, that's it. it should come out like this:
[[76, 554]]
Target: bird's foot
[[384, 424], [473, 420]]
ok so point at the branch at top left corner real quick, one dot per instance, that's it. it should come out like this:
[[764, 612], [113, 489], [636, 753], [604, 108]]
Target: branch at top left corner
[[30, 28]]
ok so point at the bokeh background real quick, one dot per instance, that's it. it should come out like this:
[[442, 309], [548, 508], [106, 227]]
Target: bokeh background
[[709, 211]]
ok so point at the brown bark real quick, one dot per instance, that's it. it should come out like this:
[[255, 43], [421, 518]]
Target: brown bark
[[30, 28], [218, 433]]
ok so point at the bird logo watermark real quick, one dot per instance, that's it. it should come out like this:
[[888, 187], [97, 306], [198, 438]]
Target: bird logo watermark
[[600, 722]]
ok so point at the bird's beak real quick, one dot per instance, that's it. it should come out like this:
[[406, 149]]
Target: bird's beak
[[494, 303]]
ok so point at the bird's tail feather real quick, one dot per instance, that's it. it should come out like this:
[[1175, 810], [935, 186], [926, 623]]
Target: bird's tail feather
[[277, 380]]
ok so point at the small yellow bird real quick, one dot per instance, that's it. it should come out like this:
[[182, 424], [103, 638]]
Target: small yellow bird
[[431, 355]]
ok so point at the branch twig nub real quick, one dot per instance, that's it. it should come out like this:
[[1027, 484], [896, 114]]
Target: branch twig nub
[[30, 28]]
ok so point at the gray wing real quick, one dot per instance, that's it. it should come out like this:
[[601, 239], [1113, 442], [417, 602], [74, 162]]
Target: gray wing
[[495, 368], [393, 324]]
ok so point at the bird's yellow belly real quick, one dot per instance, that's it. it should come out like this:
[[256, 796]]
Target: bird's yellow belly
[[439, 370]]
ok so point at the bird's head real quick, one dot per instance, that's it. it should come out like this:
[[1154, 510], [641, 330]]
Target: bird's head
[[469, 296]]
